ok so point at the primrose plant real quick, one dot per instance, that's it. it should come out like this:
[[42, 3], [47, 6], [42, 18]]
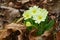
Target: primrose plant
[[37, 18]]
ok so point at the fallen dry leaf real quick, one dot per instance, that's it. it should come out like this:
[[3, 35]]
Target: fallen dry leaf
[[24, 1]]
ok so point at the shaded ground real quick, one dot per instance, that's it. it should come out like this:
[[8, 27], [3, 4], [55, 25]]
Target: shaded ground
[[11, 11]]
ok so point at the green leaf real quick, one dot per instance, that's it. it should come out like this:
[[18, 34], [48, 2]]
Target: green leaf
[[46, 20], [29, 28], [45, 27], [39, 32], [49, 25]]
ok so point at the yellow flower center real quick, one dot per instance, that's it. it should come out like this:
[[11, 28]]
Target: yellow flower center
[[27, 15], [39, 17], [34, 11]]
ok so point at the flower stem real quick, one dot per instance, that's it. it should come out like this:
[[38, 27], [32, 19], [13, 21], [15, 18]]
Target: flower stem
[[19, 19]]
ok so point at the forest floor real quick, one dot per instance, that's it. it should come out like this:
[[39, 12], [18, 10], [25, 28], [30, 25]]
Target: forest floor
[[12, 10]]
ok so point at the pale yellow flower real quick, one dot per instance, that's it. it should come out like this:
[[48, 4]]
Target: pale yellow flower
[[27, 14], [28, 24], [34, 10], [41, 16]]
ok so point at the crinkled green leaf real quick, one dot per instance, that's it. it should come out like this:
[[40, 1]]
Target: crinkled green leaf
[[49, 25]]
